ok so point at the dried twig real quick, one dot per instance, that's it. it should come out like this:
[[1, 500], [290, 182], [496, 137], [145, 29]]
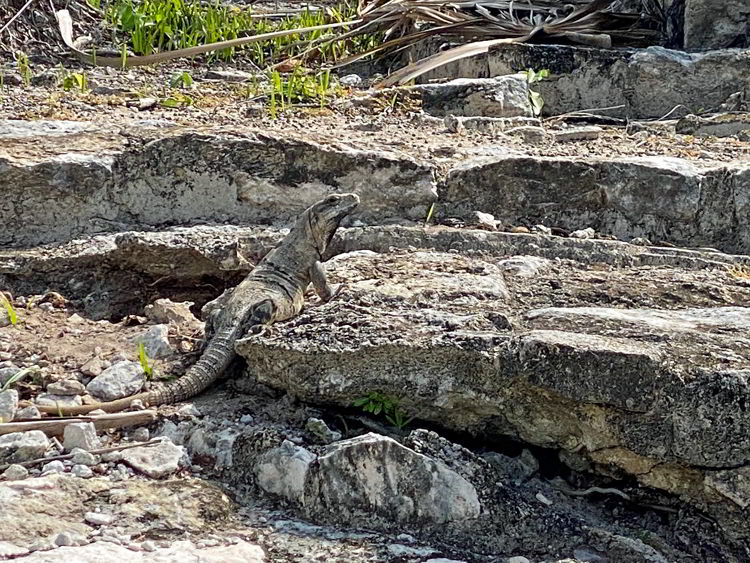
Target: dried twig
[[57, 427], [70, 456]]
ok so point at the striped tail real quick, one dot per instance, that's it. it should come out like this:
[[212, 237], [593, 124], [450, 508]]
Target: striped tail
[[213, 362]]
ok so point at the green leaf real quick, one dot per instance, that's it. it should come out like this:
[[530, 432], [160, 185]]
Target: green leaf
[[9, 308], [361, 401], [537, 102]]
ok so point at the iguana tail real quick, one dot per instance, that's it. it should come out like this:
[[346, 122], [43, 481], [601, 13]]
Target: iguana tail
[[212, 363]]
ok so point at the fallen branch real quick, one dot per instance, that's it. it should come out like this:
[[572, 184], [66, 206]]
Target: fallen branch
[[70, 456], [101, 422]]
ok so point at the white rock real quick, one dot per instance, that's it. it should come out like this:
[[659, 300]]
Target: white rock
[[524, 266], [28, 412], [517, 559], [8, 371], [15, 473], [164, 311], [121, 380], [82, 457], [320, 430], [283, 470], [9, 550], [583, 233], [56, 466], [80, 435], [66, 387], [17, 447], [8, 405], [93, 367], [350, 80], [156, 341], [99, 518], [544, 500], [47, 399], [155, 461], [82, 471], [389, 479]]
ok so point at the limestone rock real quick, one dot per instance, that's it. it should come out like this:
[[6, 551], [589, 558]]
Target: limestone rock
[[284, 471], [502, 96], [66, 387], [165, 311], [48, 399], [123, 379], [8, 405], [155, 461], [80, 435], [156, 342], [17, 447], [375, 474]]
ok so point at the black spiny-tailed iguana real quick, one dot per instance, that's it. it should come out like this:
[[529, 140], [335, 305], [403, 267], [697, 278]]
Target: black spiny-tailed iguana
[[274, 291]]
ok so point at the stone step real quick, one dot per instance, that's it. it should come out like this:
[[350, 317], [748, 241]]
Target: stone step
[[99, 273], [636, 83], [79, 179]]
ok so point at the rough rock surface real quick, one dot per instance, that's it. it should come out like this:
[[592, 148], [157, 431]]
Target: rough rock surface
[[657, 198], [367, 480], [651, 391], [155, 461], [716, 24], [120, 380], [645, 83], [503, 96]]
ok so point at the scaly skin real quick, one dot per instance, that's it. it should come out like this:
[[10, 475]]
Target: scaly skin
[[274, 291]]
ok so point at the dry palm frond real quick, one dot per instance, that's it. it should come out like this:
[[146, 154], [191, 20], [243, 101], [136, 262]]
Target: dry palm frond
[[480, 24]]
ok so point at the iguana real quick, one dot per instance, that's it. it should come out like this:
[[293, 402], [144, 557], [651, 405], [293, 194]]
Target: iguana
[[273, 291]]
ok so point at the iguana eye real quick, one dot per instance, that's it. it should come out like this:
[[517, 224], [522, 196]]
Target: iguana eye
[[332, 199]]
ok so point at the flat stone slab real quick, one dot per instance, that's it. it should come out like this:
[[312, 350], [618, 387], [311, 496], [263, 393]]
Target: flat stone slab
[[659, 198], [104, 179], [641, 368], [107, 181]]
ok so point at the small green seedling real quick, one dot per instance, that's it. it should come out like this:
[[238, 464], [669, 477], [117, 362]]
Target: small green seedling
[[181, 80], [12, 316], [75, 80], [18, 376], [143, 358], [535, 98], [429, 214], [377, 403], [24, 68]]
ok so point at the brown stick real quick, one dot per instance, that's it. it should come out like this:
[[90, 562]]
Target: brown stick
[[57, 427]]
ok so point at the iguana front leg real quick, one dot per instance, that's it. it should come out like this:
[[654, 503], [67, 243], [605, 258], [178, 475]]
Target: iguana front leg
[[320, 282]]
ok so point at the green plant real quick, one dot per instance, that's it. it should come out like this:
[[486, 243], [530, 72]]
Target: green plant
[[429, 214], [76, 80], [24, 68], [535, 98], [176, 100], [143, 359], [18, 376], [181, 80], [12, 317], [377, 403]]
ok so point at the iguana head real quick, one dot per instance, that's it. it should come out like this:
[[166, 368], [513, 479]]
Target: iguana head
[[323, 218]]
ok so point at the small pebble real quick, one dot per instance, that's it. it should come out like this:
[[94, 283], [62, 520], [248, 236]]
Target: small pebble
[[98, 518], [140, 434], [246, 419], [148, 545], [82, 457], [544, 500], [53, 467], [583, 233], [63, 538], [82, 471], [15, 473]]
